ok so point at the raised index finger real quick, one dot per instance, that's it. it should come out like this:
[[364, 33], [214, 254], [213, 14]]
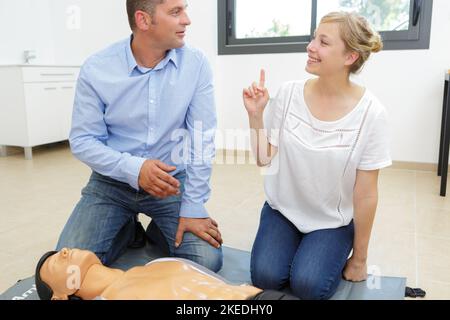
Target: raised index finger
[[262, 78]]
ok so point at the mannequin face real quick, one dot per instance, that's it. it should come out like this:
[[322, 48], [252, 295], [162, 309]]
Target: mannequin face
[[64, 271]]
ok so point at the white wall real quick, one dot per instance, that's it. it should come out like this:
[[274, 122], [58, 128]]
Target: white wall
[[82, 27], [25, 25], [409, 83], [61, 31]]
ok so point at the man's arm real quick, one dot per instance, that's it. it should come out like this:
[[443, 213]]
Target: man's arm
[[201, 123], [89, 133], [87, 140]]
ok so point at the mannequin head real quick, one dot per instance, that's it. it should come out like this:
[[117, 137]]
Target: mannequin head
[[59, 275]]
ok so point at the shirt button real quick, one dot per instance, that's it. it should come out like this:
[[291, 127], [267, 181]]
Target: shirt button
[[152, 101]]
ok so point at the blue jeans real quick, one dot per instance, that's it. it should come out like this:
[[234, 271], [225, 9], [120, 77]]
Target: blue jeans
[[103, 221], [310, 264]]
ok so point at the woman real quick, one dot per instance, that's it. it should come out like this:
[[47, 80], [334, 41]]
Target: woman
[[326, 141]]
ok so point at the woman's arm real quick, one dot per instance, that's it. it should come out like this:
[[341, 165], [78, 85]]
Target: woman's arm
[[262, 149], [365, 199], [256, 98]]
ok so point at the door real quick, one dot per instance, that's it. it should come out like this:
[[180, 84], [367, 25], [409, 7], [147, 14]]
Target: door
[[66, 94], [43, 117]]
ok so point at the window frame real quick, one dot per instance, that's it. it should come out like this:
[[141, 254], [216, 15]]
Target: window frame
[[416, 37]]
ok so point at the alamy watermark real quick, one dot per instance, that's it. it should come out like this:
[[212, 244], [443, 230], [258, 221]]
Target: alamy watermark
[[197, 146], [73, 20]]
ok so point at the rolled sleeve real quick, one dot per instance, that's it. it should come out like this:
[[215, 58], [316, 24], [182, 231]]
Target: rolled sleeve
[[376, 154]]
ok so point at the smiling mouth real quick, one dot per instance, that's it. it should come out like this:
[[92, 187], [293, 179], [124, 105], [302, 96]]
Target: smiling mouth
[[313, 60]]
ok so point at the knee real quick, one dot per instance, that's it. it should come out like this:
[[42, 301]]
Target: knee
[[311, 287], [266, 280], [199, 251], [211, 258], [104, 259], [264, 276]]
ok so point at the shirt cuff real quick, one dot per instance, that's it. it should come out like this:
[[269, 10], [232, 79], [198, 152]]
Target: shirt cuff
[[273, 140], [133, 168], [377, 166], [193, 210]]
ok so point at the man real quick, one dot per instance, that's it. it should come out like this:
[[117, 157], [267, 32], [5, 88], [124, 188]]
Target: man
[[132, 100]]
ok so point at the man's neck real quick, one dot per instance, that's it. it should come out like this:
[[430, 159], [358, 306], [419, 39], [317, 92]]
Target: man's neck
[[146, 55], [96, 280]]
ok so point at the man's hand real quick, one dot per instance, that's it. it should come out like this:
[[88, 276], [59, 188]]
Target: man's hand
[[355, 270], [155, 180], [204, 228]]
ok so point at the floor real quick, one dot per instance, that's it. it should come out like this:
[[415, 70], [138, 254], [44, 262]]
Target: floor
[[411, 235]]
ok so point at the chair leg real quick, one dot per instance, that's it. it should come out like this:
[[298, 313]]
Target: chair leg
[[28, 151], [445, 146], [444, 106], [3, 152]]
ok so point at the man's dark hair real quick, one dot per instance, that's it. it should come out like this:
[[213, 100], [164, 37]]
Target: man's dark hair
[[148, 6], [43, 290]]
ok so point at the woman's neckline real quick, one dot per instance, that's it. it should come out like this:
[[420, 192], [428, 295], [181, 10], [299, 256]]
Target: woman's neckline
[[347, 115]]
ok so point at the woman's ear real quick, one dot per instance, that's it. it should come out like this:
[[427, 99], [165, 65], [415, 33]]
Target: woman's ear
[[352, 57]]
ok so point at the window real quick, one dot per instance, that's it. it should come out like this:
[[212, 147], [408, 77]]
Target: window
[[267, 26]]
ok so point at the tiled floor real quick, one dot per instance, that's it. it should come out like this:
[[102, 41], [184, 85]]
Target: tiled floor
[[411, 235]]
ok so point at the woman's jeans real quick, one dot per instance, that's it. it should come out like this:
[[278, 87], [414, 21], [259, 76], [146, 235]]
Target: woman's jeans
[[310, 264], [103, 221]]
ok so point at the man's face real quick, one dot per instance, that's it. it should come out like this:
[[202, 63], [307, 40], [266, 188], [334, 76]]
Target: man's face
[[169, 23]]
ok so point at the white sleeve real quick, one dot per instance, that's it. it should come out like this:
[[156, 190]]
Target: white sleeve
[[273, 114], [376, 154]]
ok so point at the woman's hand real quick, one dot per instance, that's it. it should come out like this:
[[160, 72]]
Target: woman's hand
[[256, 97], [355, 270]]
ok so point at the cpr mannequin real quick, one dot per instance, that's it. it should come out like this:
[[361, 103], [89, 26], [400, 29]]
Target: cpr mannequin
[[79, 273]]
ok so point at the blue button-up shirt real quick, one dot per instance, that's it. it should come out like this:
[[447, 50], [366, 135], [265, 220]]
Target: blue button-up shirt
[[124, 114]]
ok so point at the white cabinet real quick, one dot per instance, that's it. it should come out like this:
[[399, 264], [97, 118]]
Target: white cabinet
[[35, 105]]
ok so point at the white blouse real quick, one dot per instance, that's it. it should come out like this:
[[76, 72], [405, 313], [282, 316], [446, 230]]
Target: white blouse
[[312, 177]]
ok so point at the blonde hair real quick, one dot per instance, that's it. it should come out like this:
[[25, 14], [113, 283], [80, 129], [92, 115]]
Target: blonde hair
[[357, 34]]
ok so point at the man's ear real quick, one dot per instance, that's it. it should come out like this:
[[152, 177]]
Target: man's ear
[[143, 20]]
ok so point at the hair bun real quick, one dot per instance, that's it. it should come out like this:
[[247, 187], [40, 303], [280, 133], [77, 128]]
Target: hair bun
[[376, 43]]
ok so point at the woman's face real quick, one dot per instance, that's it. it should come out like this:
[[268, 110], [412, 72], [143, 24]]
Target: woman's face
[[327, 54]]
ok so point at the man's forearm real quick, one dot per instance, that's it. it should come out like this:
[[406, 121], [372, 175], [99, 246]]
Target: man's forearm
[[106, 161], [364, 215]]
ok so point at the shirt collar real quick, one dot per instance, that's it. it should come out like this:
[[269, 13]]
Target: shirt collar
[[132, 64]]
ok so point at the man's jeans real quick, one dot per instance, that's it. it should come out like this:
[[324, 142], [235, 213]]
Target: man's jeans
[[103, 221], [311, 264]]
